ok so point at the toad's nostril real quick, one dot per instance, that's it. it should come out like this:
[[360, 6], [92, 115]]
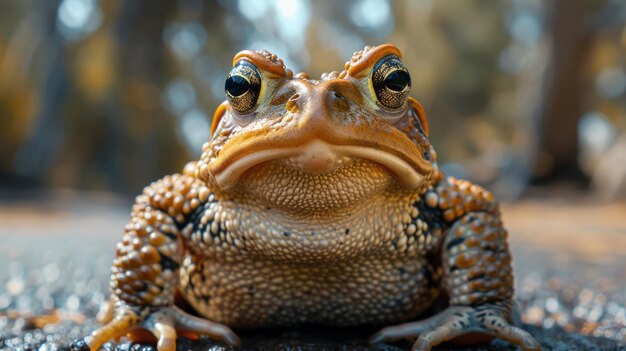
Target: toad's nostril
[[292, 104]]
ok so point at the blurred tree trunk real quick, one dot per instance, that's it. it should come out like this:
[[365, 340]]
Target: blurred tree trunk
[[146, 135], [40, 151], [564, 88]]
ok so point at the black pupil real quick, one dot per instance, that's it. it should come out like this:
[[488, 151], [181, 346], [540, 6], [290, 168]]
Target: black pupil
[[236, 85], [397, 80]]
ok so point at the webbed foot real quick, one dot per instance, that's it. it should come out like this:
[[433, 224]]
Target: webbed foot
[[459, 323]]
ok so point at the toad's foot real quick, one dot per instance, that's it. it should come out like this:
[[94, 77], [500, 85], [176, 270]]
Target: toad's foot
[[460, 323], [162, 322]]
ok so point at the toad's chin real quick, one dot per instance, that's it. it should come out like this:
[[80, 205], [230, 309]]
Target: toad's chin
[[318, 158], [284, 183]]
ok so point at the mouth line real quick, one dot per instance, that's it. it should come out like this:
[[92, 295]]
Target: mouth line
[[320, 151]]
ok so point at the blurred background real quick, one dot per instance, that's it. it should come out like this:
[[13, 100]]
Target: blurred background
[[528, 98], [105, 95]]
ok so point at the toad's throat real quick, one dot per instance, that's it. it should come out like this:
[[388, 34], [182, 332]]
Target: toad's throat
[[319, 157]]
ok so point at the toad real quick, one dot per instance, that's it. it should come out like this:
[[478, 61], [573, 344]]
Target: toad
[[314, 201]]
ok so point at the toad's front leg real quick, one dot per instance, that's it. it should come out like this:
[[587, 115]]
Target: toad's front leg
[[479, 282], [145, 274]]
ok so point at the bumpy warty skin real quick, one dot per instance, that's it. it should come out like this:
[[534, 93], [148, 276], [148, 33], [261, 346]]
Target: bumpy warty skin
[[317, 204]]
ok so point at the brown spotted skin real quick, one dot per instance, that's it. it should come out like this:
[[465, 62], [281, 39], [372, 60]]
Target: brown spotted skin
[[145, 271], [475, 253], [320, 205]]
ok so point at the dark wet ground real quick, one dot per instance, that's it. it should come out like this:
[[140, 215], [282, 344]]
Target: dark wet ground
[[570, 262]]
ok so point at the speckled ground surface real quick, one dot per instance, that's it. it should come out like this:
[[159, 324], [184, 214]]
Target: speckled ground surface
[[56, 252]]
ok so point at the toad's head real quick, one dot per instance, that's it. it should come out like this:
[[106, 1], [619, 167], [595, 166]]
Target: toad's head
[[295, 142]]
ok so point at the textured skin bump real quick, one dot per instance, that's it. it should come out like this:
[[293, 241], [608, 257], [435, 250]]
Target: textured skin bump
[[145, 270], [246, 294], [453, 198], [475, 253], [477, 261]]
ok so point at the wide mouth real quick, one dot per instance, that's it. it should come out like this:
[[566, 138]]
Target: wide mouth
[[316, 156]]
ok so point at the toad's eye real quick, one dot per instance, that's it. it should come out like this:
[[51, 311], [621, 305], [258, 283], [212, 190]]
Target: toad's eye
[[391, 82], [243, 87]]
